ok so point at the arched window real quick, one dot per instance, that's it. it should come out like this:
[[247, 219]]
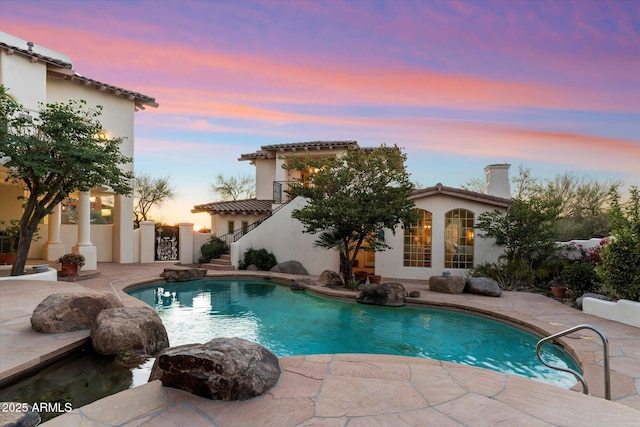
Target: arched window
[[417, 242], [458, 239]]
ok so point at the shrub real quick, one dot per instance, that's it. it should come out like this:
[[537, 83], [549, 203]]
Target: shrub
[[213, 248], [619, 265], [261, 258], [580, 277]]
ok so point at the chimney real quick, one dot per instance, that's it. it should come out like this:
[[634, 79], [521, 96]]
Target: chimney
[[498, 180]]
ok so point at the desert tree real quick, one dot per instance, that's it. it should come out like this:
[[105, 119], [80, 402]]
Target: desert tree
[[235, 187], [352, 198], [149, 192]]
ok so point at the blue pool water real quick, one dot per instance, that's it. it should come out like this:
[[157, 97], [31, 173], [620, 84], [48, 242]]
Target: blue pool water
[[297, 323]]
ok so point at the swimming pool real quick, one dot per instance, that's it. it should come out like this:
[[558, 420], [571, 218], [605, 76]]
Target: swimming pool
[[298, 323]]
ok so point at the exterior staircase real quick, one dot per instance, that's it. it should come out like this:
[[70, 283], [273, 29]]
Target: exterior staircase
[[222, 263]]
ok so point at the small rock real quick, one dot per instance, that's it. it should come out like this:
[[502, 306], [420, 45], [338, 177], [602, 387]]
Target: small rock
[[223, 369], [300, 284], [482, 286], [330, 279], [182, 274], [71, 311], [389, 294], [447, 284], [290, 267], [414, 294]]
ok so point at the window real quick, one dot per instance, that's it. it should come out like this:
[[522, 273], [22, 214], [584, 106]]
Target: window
[[417, 242], [230, 227], [458, 239], [245, 227]]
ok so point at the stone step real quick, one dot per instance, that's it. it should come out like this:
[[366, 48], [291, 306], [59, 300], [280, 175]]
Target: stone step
[[210, 266]]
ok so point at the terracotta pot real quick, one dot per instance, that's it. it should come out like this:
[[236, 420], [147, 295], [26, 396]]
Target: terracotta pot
[[361, 276], [69, 269], [375, 279], [559, 291], [7, 258]]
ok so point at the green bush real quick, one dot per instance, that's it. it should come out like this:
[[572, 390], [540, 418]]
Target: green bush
[[213, 248], [261, 258], [580, 277], [619, 266]]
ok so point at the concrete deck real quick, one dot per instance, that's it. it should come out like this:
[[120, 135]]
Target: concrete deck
[[354, 390]]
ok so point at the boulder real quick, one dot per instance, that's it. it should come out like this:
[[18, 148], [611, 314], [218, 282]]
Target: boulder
[[222, 369], [482, 286], [71, 311], [290, 267], [182, 274], [300, 284], [330, 279], [18, 414], [389, 294], [129, 329], [447, 284]]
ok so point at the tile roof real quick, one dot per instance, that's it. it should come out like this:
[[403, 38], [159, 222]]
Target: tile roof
[[65, 71], [462, 194], [248, 206], [270, 151]]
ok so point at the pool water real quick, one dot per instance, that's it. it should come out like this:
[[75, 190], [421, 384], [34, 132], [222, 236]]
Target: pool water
[[297, 323]]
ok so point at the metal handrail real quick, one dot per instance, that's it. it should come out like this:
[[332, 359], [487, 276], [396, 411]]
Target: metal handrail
[[605, 343]]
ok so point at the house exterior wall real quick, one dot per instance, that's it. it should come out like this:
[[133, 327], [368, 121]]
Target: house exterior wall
[[28, 82], [283, 236], [390, 262], [220, 223], [265, 175]]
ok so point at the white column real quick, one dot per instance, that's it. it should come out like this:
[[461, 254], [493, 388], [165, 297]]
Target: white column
[[123, 252], [54, 248], [147, 242], [84, 245], [186, 243]]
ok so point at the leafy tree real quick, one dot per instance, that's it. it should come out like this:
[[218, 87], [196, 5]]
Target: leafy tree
[[233, 188], [619, 265], [526, 233], [54, 154], [352, 198], [149, 192]]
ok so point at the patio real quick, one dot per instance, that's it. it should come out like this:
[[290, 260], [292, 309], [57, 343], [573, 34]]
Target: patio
[[354, 389]]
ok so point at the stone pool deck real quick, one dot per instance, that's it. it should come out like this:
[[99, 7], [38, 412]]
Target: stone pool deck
[[367, 390]]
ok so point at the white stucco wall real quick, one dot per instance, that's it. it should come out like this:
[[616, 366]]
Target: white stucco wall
[[390, 262], [25, 81], [283, 236], [265, 175], [220, 223]]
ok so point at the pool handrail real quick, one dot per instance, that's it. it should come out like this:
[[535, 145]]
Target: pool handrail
[[605, 343]]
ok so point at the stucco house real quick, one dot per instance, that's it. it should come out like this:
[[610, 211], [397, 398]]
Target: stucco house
[[34, 74], [443, 239]]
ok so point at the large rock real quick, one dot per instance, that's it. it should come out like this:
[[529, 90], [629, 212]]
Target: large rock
[[578, 302], [300, 284], [482, 286], [18, 414], [330, 279], [71, 311], [182, 274], [290, 267], [447, 284], [389, 294], [129, 329], [222, 369]]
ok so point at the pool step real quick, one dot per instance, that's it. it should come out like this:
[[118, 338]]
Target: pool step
[[222, 263]]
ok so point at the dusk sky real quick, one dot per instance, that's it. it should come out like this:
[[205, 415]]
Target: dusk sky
[[551, 85]]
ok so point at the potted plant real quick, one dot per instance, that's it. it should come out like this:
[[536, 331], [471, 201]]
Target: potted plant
[[9, 242], [71, 263]]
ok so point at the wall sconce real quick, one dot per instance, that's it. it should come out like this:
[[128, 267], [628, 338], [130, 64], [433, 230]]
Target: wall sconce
[[470, 236], [103, 135]]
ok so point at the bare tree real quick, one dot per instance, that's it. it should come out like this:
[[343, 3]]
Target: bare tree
[[149, 192], [234, 188]]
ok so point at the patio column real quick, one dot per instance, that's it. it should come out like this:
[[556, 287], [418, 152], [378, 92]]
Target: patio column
[[54, 248], [84, 245]]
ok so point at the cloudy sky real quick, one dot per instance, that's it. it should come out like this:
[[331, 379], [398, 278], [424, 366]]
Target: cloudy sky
[[551, 85]]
